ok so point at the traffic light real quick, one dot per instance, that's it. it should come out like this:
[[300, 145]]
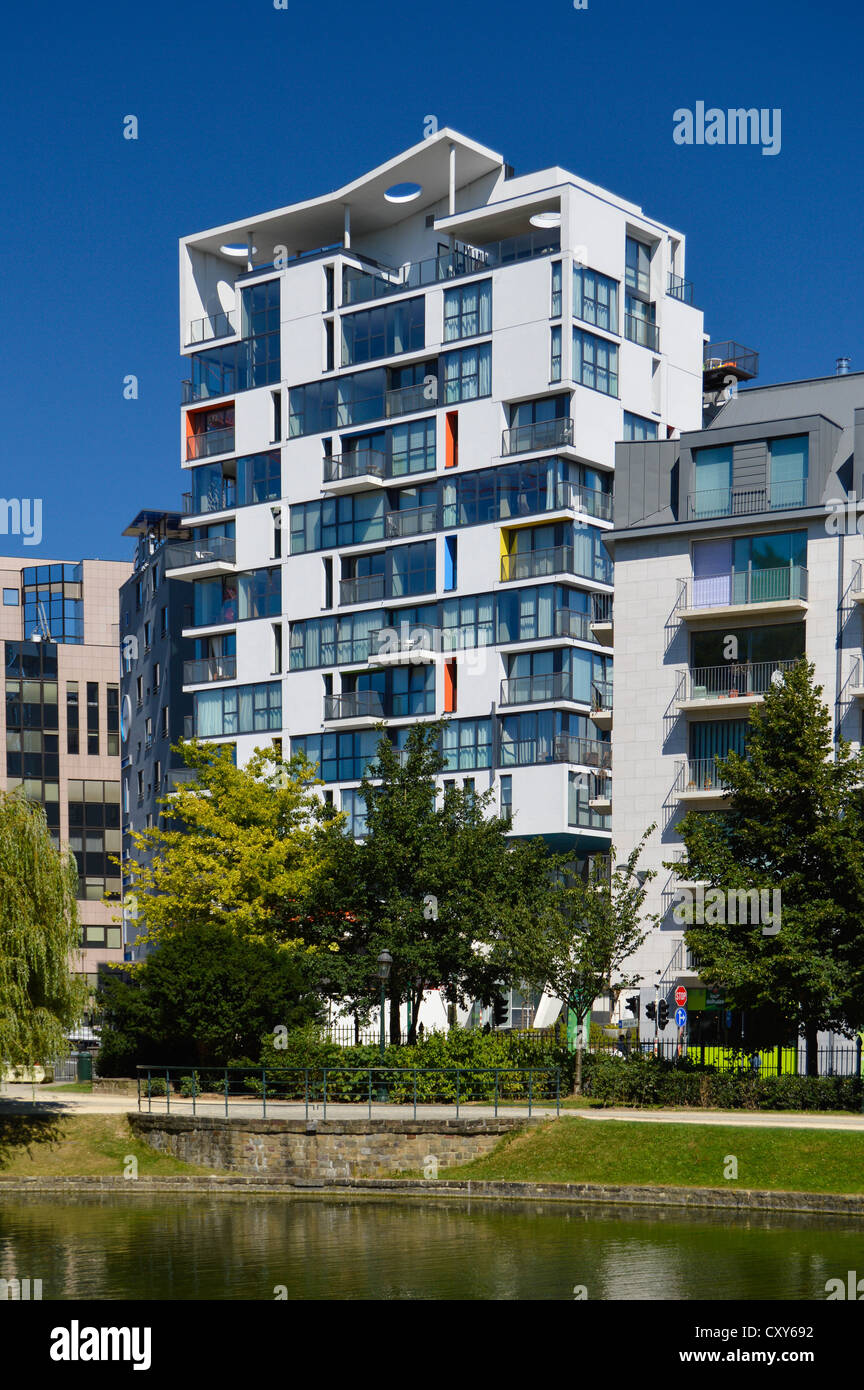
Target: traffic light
[[500, 1011], [633, 1004], [651, 1010], [662, 1013]]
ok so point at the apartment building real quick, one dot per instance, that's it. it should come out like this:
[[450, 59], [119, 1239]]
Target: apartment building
[[399, 429], [61, 722], [155, 659], [737, 550]]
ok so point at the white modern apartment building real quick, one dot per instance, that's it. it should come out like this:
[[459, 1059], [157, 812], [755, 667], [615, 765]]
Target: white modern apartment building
[[399, 432], [737, 550]]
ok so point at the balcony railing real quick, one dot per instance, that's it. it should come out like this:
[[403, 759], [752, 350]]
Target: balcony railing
[[212, 326], [537, 690], [679, 289], [601, 608], [699, 774], [358, 463], [355, 704], [181, 554], [411, 640], [601, 695], [368, 588], [406, 400], [586, 499], [730, 358], [744, 587], [201, 446], [557, 559], [543, 434], [412, 521], [744, 501], [217, 499], [570, 623], [638, 330], [584, 752], [210, 668], [735, 680], [360, 286]]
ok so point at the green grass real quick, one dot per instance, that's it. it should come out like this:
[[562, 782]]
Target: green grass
[[79, 1146], [670, 1155], [84, 1088]]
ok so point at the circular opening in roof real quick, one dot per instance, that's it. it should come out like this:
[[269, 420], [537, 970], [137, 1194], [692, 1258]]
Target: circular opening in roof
[[238, 249], [403, 192], [546, 219]]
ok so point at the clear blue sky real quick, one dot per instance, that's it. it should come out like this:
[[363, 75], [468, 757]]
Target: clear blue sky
[[243, 107]]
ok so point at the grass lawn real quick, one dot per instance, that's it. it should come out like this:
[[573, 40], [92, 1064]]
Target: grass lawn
[[84, 1088], [670, 1155], [78, 1146]]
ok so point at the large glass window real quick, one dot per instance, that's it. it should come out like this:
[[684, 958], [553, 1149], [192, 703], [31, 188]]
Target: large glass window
[[336, 403], [713, 481], [412, 569], [254, 360], [337, 521], [595, 298], [243, 709], [638, 266], [595, 362], [384, 331], [237, 598], [468, 310], [788, 471], [467, 622], [636, 427], [467, 745], [334, 641], [467, 373], [53, 603]]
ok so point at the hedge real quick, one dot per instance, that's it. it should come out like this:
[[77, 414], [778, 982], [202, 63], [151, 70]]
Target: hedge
[[653, 1081]]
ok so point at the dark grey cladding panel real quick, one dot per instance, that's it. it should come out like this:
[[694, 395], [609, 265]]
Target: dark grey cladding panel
[[749, 464], [857, 483], [643, 482]]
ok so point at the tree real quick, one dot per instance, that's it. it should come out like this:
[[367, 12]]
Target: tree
[[204, 995], [582, 932], [434, 881], [241, 844], [40, 999], [793, 823]]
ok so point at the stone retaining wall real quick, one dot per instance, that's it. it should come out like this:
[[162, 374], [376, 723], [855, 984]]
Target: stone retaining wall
[[329, 1150]]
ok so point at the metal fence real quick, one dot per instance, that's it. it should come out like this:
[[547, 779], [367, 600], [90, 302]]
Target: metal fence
[[246, 1090], [766, 1061], [64, 1068]]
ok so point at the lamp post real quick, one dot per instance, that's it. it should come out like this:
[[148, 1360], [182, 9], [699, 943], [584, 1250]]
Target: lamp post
[[385, 960]]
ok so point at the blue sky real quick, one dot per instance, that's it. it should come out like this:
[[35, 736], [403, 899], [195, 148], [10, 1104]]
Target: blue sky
[[243, 107]]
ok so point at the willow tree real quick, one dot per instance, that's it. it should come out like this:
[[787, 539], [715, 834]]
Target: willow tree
[[40, 998]]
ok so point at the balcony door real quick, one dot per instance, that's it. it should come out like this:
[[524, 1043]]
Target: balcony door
[[712, 573]]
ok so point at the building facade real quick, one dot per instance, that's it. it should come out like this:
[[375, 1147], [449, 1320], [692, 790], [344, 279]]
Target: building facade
[[61, 723], [399, 432], [737, 550]]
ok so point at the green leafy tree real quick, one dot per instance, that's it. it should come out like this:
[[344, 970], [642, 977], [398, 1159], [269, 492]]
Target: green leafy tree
[[793, 822], [584, 929], [242, 847], [435, 881], [203, 995], [40, 998]]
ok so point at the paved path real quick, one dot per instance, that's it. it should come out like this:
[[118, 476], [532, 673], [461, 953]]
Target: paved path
[[18, 1100]]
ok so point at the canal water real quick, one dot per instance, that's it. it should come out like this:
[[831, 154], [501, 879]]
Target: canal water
[[313, 1247]]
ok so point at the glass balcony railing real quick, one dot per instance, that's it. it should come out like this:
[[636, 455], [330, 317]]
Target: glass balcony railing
[[212, 326], [531, 439], [788, 584], [745, 501], [537, 690], [570, 623], [210, 668], [201, 446], [367, 588], [601, 695], [407, 400], [356, 704], [358, 463], [359, 286], [181, 554], [216, 499], [412, 521], [584, 752], [415, 640], [640, 331], [558, 559], [735, 680]]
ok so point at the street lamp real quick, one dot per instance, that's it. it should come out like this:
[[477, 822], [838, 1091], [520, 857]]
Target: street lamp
[[385, 960]]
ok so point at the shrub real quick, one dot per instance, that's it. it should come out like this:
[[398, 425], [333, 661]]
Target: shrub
[[655, 1081]]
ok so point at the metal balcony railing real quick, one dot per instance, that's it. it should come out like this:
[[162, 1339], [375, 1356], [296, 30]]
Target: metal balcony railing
[[212, 326], [744, 587], [537, 690], [180, 554], [601, 695], [412, 521], [679, 289], [731, 358], [543, 434], [355, 704], [601, 608], [745, 501], [570, 623], [367, 588], [201, 446], [640, 331], [699, 774], [210, 668], [358, 463], [735, 680]]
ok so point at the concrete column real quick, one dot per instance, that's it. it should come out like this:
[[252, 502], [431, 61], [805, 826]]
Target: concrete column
[[451, 208], [346, 235]]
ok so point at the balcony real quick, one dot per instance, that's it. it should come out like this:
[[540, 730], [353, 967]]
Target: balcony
[[537, 690], [210, 668], [679, 289], [360, 286], [200, 559], [752, 592], [698, 780], [407, 645], [642, 332], [212, 326], [601, 619], [217, 499], [358, 709], [533, 564], [209, 442], [589, 500], [601, 704], [355, 471], [408, 400], [723, 360], [367, 588], [600, 798], [537, 438], [570, 623], [746, 501], [412, 521], [742, 682], [583, 752]]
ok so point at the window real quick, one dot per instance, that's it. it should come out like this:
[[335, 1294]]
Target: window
[[276, 516], [505, 802], [71, 716], [595, 362], [384, 331], [788, 459], [638, 266], [468, 311], [276, 397], [113, 719], [140, 776], [354, 808], [245, 709], [556, 290], [157, 776], [712, 474], [412, 569], [237, 598], [450, 562], [555, 364], [94, 837], [595, 298], [467, 374], [148, 734], [139, 690], [92, 718], [277, 648], [639, 323], [148, 634], [53, 600], [466, 745], [164, 721], [10, 598], [636, 427], [163, 624], [157, 677]]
